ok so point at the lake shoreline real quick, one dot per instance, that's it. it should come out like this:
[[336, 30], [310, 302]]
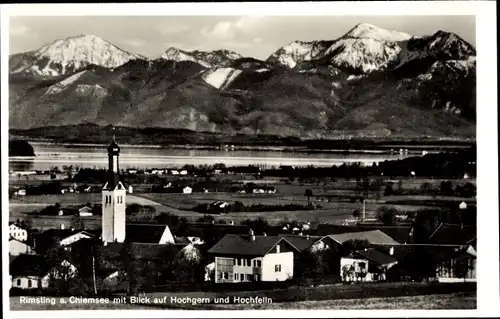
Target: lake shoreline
[[381, 149]]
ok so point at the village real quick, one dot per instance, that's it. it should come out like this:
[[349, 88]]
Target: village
[[122, 245]]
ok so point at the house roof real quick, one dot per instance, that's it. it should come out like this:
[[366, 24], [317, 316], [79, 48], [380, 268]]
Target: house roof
[[453, 234], [145, 233], [302, 243], [242, 245], [20, 225], [399, 233], [29, 265], [376, 256], [372, 236]]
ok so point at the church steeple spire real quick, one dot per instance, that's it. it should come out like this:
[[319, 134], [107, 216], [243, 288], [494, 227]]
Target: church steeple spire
[[113, 198]]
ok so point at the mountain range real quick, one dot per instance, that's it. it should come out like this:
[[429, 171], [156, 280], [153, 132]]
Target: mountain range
[[368, 82]]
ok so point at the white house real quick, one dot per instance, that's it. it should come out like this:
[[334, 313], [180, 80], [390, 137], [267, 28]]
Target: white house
[[187, 190], [33, 271], [17, 247], [240, 258], [85, 211], [174, 172], [18, 231], [130, 189], [366, 265], [183, 172], [463, 205]]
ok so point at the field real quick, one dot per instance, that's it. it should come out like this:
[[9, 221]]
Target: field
[[427, 302], [331, 210], [451, 301]]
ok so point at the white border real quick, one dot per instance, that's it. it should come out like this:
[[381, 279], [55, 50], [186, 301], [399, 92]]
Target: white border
[[488, 295]]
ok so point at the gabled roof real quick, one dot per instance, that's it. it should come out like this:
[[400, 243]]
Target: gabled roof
[[144, 233], [29, 265], [20, 225], [453, 234], [302, 243], [399, 233], [372, 236], [376, 256], [242, 245]]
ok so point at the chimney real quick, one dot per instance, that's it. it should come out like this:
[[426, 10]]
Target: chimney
[[391, 251], [252, 235]]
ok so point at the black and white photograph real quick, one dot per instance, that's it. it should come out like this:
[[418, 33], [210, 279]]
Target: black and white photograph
[[239, 157]]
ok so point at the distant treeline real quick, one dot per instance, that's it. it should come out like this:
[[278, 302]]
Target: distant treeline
[[93, 133], [445, 164]]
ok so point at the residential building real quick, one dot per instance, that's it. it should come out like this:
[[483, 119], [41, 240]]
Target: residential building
[[459, 266], [34, 271], [244, 258], [18, 231], [85, 211], [187, 190], [17, 247], [75, 237], [334, 241], [366, 265]]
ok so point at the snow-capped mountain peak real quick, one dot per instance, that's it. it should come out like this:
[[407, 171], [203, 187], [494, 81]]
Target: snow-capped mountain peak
[[69, 55], [370, 31], [208, 59]]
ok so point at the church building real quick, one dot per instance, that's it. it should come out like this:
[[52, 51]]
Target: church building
[[113, 200]]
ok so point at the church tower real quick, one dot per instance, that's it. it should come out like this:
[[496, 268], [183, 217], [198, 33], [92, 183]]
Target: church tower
[[113, 199]]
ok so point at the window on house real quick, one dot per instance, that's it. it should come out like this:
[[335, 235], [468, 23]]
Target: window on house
[[362, 265], [235, 276], [259, 263], [29, 283], [249, 262], [19, 282], [242, 277], [220, 275], [239, 262], [249, 277], [277, 268], [226, 275]]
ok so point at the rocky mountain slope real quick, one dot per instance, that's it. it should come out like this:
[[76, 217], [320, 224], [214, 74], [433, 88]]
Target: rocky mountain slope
[[69, 55], [369, 82]]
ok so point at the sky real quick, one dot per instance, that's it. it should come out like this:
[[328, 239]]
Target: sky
[[251, 36]]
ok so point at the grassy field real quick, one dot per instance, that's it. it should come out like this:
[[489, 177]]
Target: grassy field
[[428, 302], [451, 301], [181, 205]]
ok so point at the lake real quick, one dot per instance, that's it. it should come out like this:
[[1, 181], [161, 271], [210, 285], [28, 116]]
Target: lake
[[50, 155]]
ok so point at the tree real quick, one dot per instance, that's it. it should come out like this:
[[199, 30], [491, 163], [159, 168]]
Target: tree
[[387, 215], [461, 267], [427, 188], [356, 213], [446, 188], [308, 193], [259, 225], [62, 272]]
